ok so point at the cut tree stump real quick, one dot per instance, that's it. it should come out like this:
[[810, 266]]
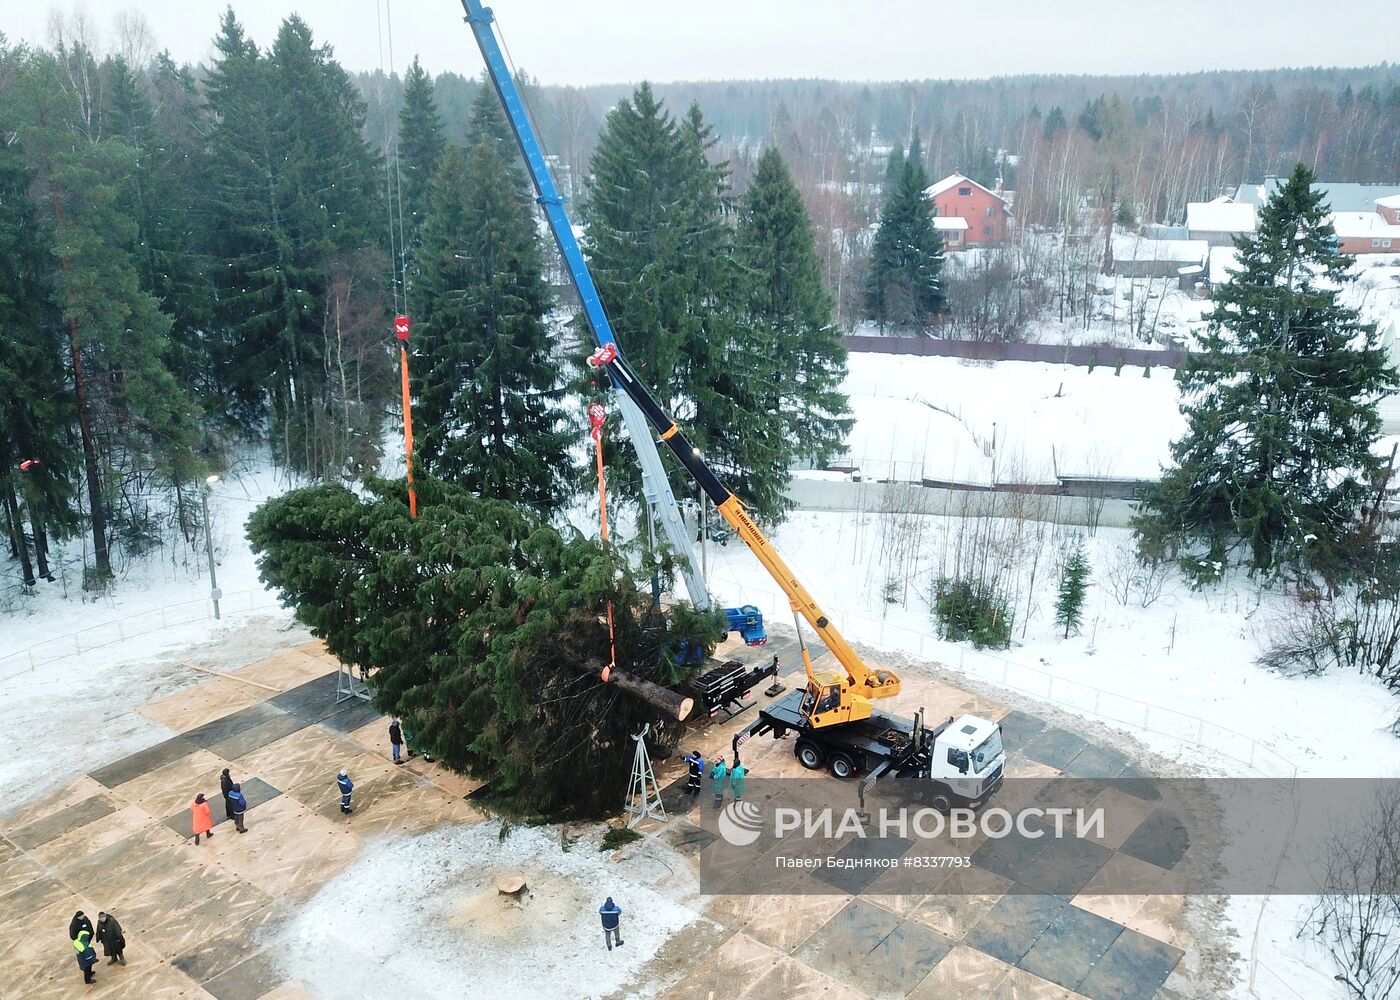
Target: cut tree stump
[[511, 885]]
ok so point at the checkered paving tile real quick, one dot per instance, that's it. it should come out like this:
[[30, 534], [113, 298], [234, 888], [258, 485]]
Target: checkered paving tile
[[1024, 921]]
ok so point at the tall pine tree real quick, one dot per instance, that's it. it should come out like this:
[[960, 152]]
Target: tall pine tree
[[778, 254], [421, 144], [1280, 404], [904, 287], [36, 406], [488, 411], [135, 421], [661, 249], [727, 371], [300, 217], [637, 210], [161, 119]]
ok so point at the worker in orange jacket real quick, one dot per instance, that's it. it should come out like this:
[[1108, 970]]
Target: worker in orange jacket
[[199, 815]]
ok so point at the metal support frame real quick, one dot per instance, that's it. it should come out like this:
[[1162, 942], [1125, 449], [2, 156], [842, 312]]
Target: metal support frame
[[348, 686], [643, 793]]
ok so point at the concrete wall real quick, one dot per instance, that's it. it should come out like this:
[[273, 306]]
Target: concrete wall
[[869, 497]]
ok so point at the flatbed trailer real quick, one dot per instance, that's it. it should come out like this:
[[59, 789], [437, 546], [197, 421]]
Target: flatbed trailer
[[726, 687]]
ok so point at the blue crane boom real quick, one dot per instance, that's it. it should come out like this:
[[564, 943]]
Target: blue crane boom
[[661, 501]]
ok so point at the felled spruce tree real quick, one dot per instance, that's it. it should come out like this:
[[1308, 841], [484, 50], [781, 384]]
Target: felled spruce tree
[[474, 619]]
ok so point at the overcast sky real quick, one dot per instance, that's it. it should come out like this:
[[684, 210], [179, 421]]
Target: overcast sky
[[615, 41]]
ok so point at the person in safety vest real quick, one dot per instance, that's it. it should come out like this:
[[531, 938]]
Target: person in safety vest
[[86, 956]]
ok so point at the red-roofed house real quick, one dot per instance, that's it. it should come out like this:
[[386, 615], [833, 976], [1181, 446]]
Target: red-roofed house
[[1389, 209], [985, 211]]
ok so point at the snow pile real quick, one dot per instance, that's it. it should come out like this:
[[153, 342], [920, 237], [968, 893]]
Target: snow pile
[[415, 913]]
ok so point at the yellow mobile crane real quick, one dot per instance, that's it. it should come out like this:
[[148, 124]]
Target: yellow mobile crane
[[834, 719], [832, 698]]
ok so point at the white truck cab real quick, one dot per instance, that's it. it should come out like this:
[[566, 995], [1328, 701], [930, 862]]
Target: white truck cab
[[967, 762]]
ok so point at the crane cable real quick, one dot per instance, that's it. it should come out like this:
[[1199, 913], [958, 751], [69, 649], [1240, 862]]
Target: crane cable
[[398, 252], [596, 415]]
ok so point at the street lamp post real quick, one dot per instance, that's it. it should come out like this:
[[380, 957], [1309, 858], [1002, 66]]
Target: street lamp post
[[214, 592]]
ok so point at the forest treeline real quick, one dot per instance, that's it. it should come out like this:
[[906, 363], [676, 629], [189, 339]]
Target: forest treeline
[[1081, 152], [197, 258]]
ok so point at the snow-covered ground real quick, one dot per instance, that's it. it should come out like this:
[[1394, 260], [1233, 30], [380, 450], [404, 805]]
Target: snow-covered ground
[[1189, 653], [414, 914], [937, 418], [174, 577], [1191, 657], [95, 660]]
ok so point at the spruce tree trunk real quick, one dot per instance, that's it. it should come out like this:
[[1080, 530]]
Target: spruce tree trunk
[[94, 485], [36, 526], [41, 544], [676, 705], [17, 541]]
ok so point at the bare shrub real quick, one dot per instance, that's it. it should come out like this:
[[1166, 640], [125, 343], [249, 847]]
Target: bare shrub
[[1358, 629], [988, 299], [1361, 929], [1132, 579]]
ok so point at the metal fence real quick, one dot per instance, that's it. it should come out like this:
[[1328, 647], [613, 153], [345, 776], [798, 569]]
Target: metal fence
[[1035, 682], [1085, 356], [109, 633]]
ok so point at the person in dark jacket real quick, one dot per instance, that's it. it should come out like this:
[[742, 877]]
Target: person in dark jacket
[[695, 770], [87, 958], [225, 784], [612, 923], [238, 805], [109, 935], [346, 787], [80, 922], [396, 740]]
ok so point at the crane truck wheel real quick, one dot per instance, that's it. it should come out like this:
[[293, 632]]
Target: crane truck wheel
[[842, 766], [942, 801], [810, 755]]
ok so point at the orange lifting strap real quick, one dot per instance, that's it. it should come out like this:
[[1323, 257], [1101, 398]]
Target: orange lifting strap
[[596, 415]]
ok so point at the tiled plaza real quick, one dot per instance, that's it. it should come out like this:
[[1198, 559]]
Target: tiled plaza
[[118, 839]]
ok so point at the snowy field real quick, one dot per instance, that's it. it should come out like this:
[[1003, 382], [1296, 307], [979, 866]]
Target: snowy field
[[1190, 656], [937, 418]]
